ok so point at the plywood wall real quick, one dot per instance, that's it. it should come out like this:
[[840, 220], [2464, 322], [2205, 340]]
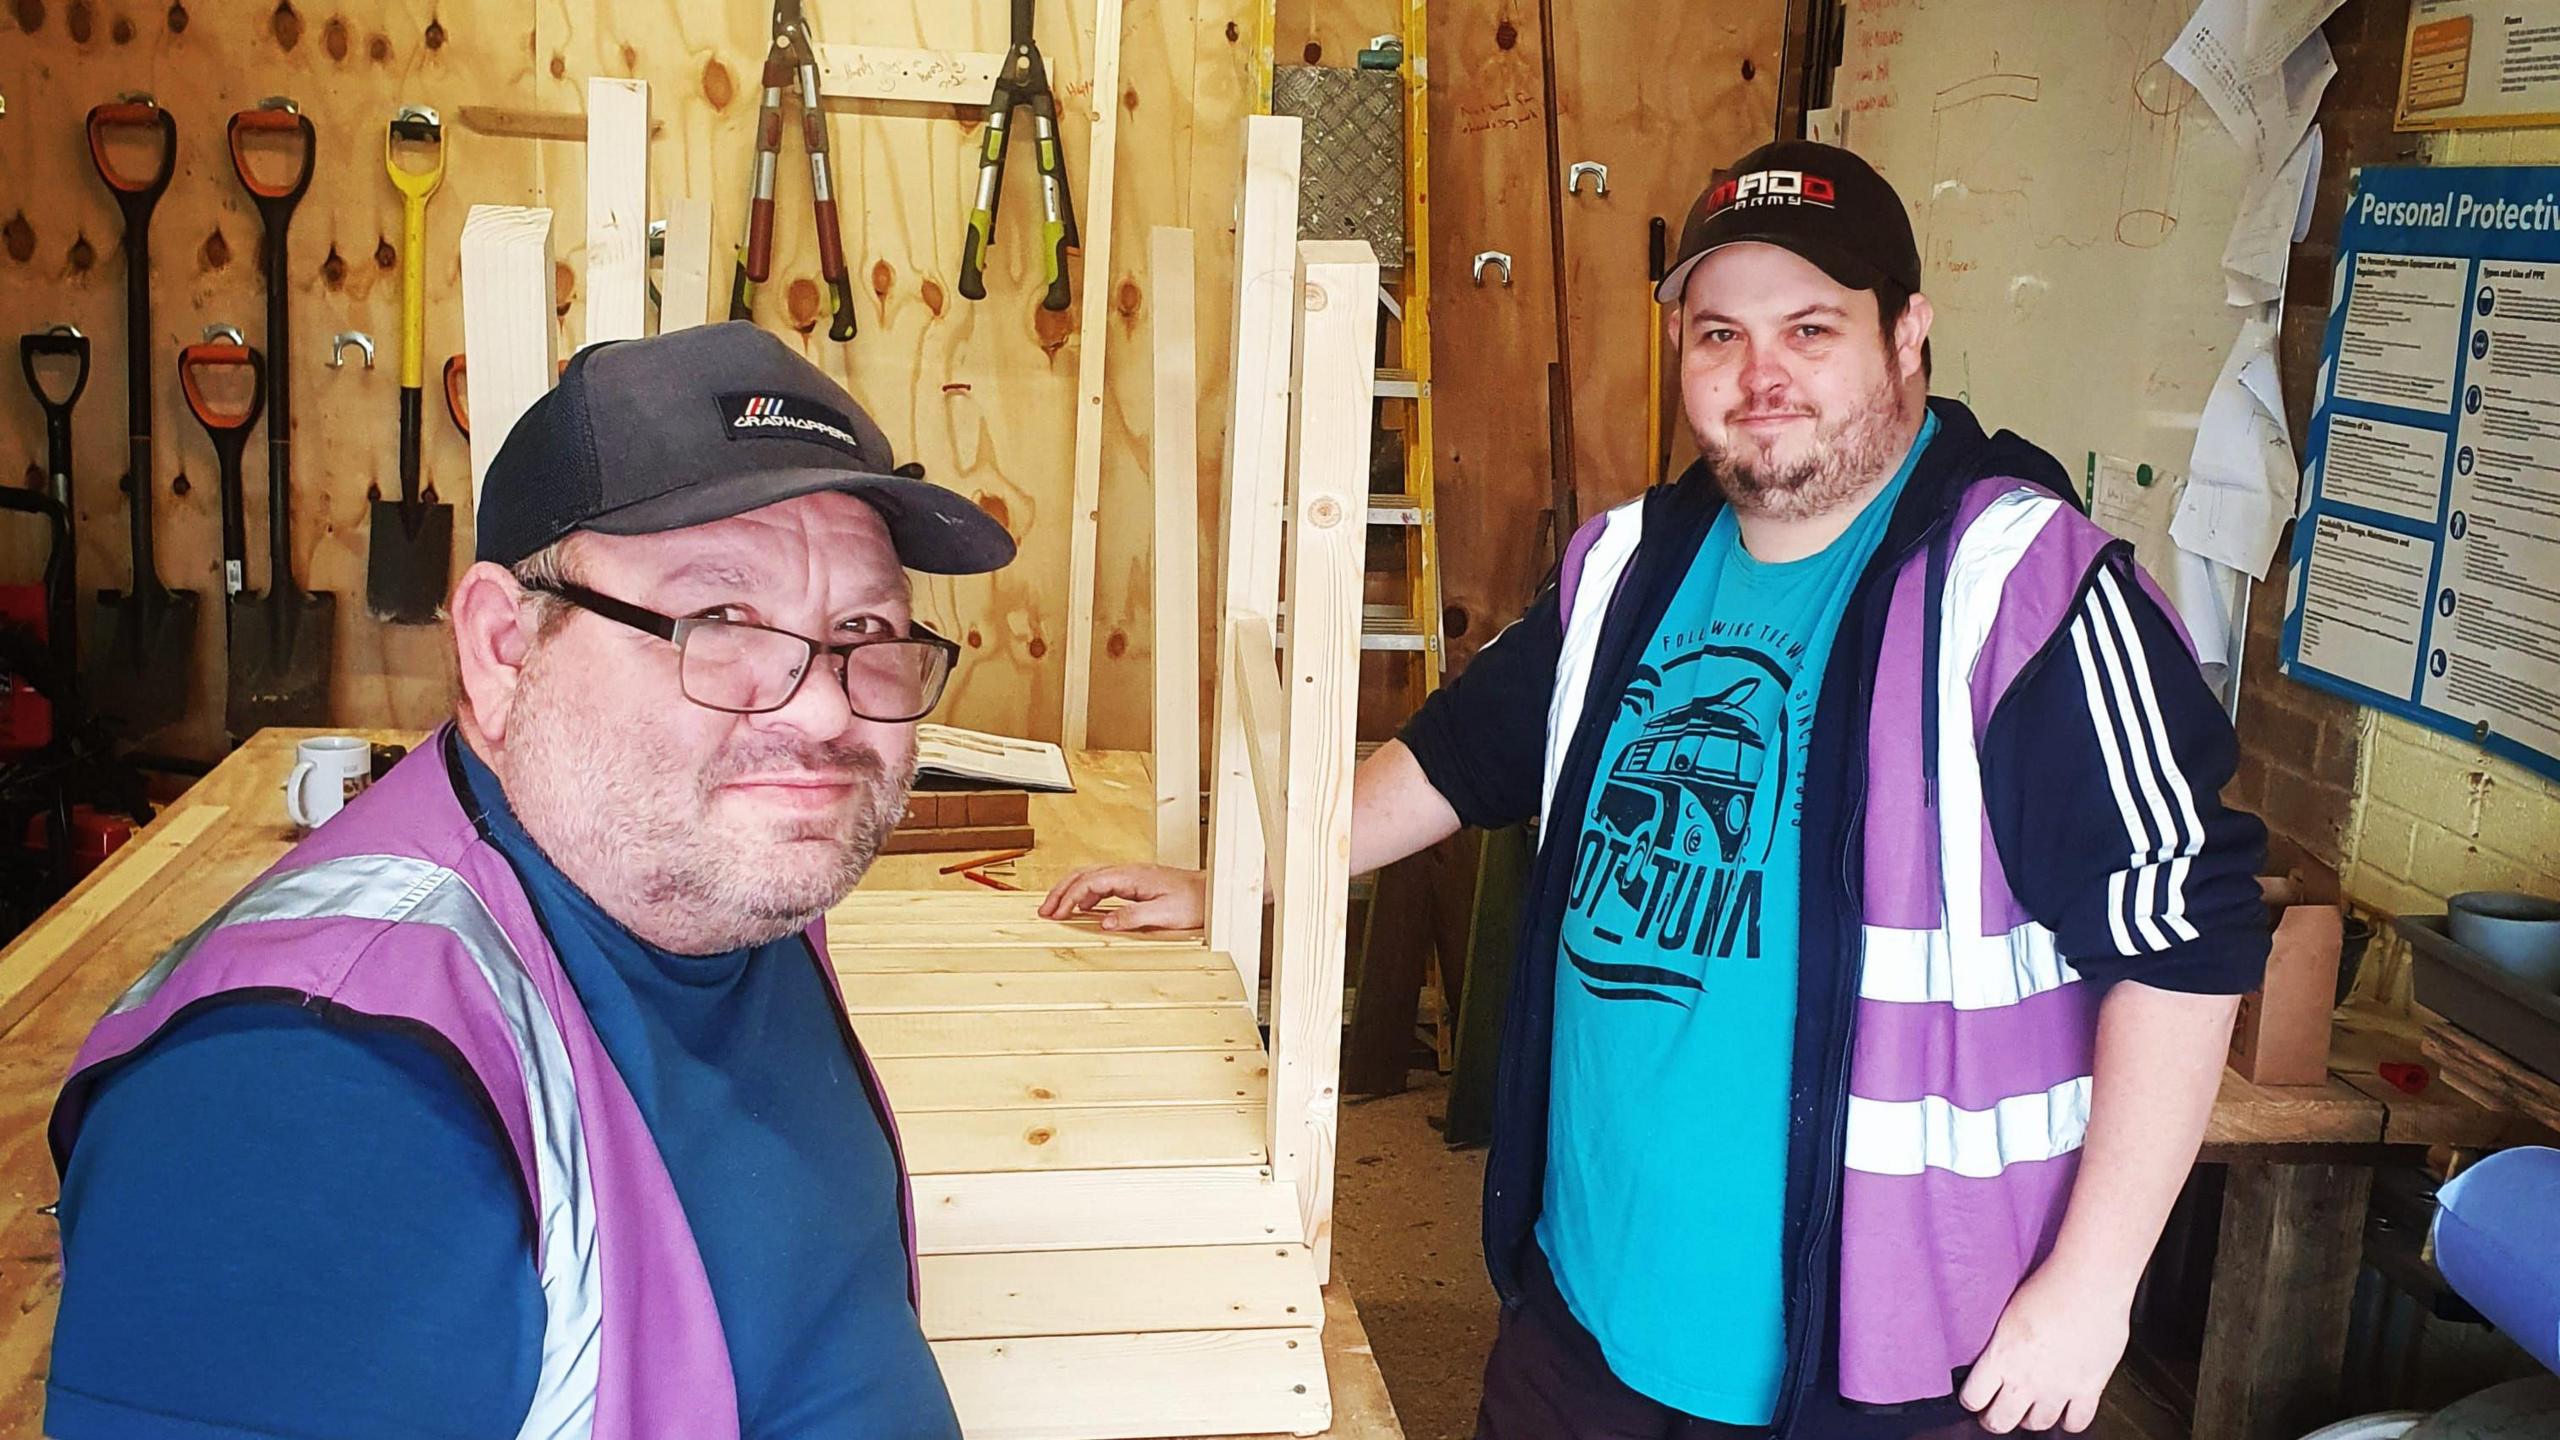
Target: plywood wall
[[981, 393]]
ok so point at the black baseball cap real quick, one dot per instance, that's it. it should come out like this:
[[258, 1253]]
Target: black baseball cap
[[642, 436], [1818, 201]]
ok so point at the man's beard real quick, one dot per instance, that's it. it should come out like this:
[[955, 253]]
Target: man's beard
[[634, 827], [1848, 454]]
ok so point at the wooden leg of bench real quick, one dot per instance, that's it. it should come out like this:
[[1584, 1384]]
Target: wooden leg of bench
[[2284, 1278]]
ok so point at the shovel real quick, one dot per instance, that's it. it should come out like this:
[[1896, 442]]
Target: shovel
[[409, 557], [282, 642], [61, 582], [229, 432], [138, 670]]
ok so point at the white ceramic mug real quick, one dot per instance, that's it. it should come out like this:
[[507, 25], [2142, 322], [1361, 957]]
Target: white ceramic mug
[[328, 771]]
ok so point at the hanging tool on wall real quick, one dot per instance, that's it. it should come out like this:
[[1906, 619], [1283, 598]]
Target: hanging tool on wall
[[228, 429], [409, 554], [282, 642], [59, 342], [1022, 80], [1656, 258], [792, 60], [36, 712], [139, 675]]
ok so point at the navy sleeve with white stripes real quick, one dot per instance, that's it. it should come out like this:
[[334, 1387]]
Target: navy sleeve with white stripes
[[2102, 775], [1482, 738]]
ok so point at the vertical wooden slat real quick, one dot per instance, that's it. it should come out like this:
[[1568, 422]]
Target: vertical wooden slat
[[1251, 499], [1177, 549], [1333, 376], [617, 209], [684, 289], [506, 323], [1093, 225]]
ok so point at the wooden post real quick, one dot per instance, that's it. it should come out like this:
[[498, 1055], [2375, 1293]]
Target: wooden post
[[1333, 374], [1093, 332], [2284, 1278], [506, 323], [617, 209], [1250, 509], [1177, 550], [684, 286]]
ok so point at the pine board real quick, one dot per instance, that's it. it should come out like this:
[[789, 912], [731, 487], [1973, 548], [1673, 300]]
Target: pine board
[[922, 1084], [968, 1142]]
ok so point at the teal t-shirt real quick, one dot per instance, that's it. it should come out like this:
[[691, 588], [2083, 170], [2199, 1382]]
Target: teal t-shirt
[[1676, 988]]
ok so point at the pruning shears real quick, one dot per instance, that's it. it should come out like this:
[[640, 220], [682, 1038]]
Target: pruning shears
[[1023, 79], [792, 60]]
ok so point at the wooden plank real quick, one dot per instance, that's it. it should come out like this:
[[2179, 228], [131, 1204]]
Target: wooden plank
[[73, 931], [1658, 128], [1175, 469], [1093, 335], [871, 906], [506, 323], [1333, 376], [1101, 1209], [2284, 1283], [1396, 940], [858, 959], [1058, 1032], [2482, 1070], [2331, 1114], [1362, 1408], [1118, 1137], [986, 990], [684, 276], [1251, 501], [1492, 453], [1119, 1292], [919, 1084], [917, 76], [617, 209], [967, 934], [1260, 714], [1126, 1387], [518, 124]]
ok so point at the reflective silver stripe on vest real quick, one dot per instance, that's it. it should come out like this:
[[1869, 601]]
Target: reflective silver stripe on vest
[[400, 890]]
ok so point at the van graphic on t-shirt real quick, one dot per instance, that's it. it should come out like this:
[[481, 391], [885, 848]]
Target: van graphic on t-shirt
[[1692, 768]]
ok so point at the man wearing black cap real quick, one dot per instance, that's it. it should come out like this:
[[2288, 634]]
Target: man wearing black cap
[[1883, 937], [518, 1098]]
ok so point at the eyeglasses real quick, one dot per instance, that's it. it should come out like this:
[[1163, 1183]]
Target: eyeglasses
[[752, 669]]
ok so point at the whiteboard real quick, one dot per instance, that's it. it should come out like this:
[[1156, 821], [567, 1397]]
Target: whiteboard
[[2072, 196]]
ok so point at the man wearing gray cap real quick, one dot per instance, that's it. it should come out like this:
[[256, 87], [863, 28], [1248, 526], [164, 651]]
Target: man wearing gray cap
[[518, 1099]]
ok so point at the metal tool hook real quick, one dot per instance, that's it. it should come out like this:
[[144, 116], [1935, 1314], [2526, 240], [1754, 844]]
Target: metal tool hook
[[1593, 168], [230, 333], [1493, 257], [338, 348]]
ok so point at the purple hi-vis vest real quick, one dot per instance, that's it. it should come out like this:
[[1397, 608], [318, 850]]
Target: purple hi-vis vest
[[401, 910]]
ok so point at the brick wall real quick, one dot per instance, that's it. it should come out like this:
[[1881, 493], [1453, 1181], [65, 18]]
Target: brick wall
[[2407, 814], [2439, 817]]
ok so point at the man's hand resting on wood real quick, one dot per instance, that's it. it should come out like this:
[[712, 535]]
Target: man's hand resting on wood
[[1159, 897]]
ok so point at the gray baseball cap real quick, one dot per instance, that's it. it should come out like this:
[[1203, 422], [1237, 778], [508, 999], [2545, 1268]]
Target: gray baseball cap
[[679, 430]]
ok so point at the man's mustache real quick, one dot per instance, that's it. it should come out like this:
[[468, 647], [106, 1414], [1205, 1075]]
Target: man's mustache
[[845, 760]]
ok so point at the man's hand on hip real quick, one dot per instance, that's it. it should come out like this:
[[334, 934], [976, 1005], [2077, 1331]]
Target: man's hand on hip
[[2050, 1357], [1160, 897]]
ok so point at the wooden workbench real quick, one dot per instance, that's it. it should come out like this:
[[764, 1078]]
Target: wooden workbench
[[1107, 819], [2293, 1219]]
